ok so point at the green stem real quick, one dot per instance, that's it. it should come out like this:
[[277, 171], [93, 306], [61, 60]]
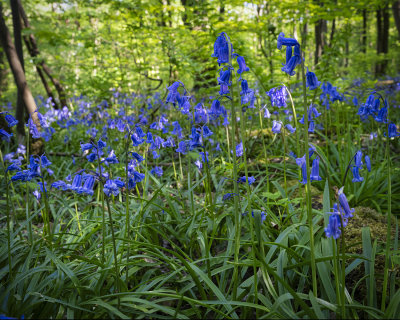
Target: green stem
[[265, 151], [389, 221], [8, 216], [308, 185], [117, 286]]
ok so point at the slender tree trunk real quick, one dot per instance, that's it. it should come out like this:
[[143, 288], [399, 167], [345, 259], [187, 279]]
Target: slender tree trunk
[[17, 70], [34, 52], [333, 29], [364, 31], [396, 14], [320, 29], [382, 41], [19, 114]]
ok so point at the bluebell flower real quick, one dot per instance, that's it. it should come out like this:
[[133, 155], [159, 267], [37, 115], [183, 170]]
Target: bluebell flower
[[5, 135], [221, 49], [37, 194], [358, 159], [140, 132], [110, 187], [289, 67], [224, 77], [182, 147], [91, 157], [198, 164], [169, 142], [290, 128], [243, 180], [228, 196], [21, 149], [112, 158], [76, 183], [207, 132], [226, 121], [157, 171], [195, 139], [224, 89], [44, 161], [276, 126], [311, 80], [11, 121], [101, 144], [242, 65], [131, 184], [392, 129], [149, 138], [345, 205], [333, 228], [137, 156], [239, 149], [118, 181], [356, 175], [311, 126], [382, 115], [282, 41], [60, 185], [136, 141], [267, 114], [155, 154], [289, 51], [173, 92], [138, 177], [314, 176], [301, 162], [14, 166], [368, 163], [263, 215]]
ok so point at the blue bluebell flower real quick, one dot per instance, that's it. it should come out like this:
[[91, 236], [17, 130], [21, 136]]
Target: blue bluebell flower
[[182, 147], [382, 115], [282, 41], [110, 187], [392, 129], [138, 177], [239, 149], [301, 162], [149, 138], [368, 163], [207, 132], [44, 161], [140, 132], [289, 67], [263, 215], [137, 156], [37, 194], [228, 196], [345, 205], [224, 77], [14, 166], [356, 174], [112, 158], [11, 121], [311, 80], [221, 48], [276, 126], [267, 114], [314, 176], [60, 185], [334, 225], [195, 139], [243, 180], [358, 159], [290, 128], [5, 135], [76, 183], [157, 171], [242, 65], [136, 141]]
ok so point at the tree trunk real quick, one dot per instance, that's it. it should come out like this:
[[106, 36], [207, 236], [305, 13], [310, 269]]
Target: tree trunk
[[34, 52], [19, 114], [382, 41], [364, 32], [17, 70], [320, 29], [396, 14]]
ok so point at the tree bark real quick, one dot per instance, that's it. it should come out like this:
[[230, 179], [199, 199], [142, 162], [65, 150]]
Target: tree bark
[[382, 41], [396, 14], [19, 114], [16, 68], [364, 32], [34, 53], [320, 29]]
